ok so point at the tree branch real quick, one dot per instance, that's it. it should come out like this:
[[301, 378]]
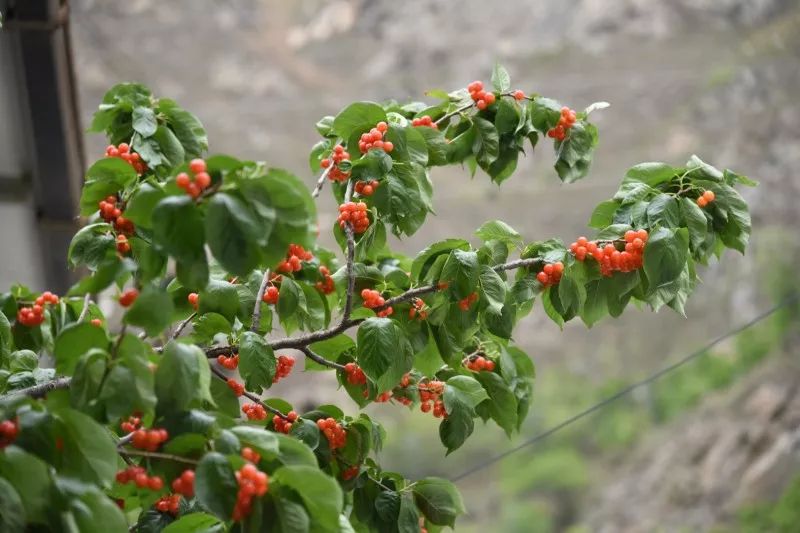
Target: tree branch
[[221, 375], [321, 181], [259, 297], [183, 325], [39, 391], [86, 300], [319, 359], [159, 455], [454, 113]]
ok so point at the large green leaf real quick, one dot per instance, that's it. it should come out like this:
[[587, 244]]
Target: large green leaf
[[152, 311], [319, 492], [215, 485], [256, 361], [89, 454], [183, 378], [30, 477], [234, 234], [461, 272], [502, 404], [463, 390], [384, 352], [75, 340], [12, 512], [439, 500], [665, 256], [91, 246], [178, 228], [106, 177]]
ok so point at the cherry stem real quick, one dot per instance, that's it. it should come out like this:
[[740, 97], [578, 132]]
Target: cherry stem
[[183, 325], [159, 455], [319, 359], [221, 375], [85, 311], [259, 297]]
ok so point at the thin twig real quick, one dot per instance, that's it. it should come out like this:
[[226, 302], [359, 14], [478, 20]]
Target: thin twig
[[183, 325], [319, 359], [221, 375], [454, 113], [159, 455], [85, 311], [259, 297], [321, 181]]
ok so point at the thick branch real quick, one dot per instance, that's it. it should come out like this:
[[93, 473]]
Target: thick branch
[[319, 359], [259, 297], [39, 391]]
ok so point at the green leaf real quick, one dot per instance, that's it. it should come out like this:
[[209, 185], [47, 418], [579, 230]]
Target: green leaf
[[12, 513], [215, 485], [487, 142], [456, 428], [183, 378], [507, 116], [409, 144], [140, 207], [603, 214], [207, 325], [463, 390], [492, 289], [256, 361], [384, 352], [144, 121], [292, 516], [696, 222], [499, 231], [92, 510], [502, 404], [6, 339], [30, 477], [171, 150], [75, 340], [652, 173], [544, 113], [357, 118], [186, 127], [91, 246], [178, 228], [106, 177], [219, 297], [128, 387], [664, 210], [260, 439], [320, 493], [571, 291], [501, 81], [87, 380], [665, 256], [291, 300], [195, 523], [437, 145], [439, 501], [89, 454], [595, 306], [234, 234], [152, 311], [461, 271]]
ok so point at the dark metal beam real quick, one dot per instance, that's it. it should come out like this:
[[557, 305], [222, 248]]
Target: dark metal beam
[[40, 30]]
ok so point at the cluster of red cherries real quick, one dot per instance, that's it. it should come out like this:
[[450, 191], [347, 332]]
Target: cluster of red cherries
[[706, 198], [612, 260], [112, 214], [339, 154], [356, 214], [551, 274], [482, 99], [374, 139], [228, 362], [465, 303], [326, 285], [333, 431], [373, 299], [184, 484], [271, 295], [149, 439], [424, 120], [235, 386], [429, 395], [123, 151], [132, 423], [9, 429], [34, 315], [565, 122], [252, 483], [170, 503], [254, 411], [284, 424], [285, 365], [138, 475], [294, 259], [196, 180], [478, 363], [354, 374], [350, 473], [366, 188], [418, 309]]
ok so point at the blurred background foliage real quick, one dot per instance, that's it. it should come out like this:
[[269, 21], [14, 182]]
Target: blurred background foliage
[[716, 78]]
